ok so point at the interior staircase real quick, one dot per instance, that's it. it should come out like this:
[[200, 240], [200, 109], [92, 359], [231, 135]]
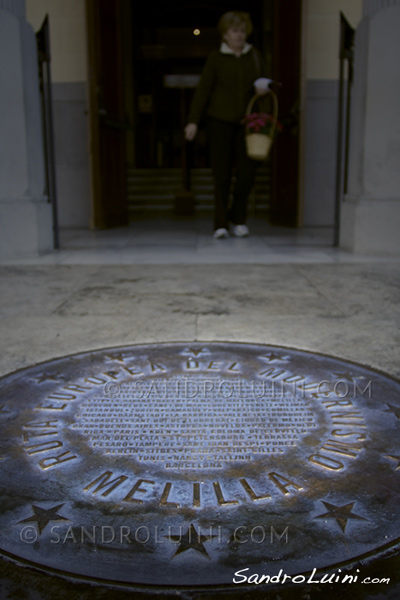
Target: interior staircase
[[155, 189]]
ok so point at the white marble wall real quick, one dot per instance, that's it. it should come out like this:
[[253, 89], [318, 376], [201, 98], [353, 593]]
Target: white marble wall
[[15, 7], [372, 6], [25, 213], [370, 215]]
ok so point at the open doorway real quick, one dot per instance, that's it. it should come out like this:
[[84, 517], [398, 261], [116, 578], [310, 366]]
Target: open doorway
[[139, 55], [172, 39]]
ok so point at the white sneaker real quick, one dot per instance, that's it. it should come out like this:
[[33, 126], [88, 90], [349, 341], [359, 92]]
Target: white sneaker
[[240, 230], [220, 233]]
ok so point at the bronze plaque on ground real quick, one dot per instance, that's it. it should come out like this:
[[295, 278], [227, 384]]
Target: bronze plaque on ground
[[198, 464]]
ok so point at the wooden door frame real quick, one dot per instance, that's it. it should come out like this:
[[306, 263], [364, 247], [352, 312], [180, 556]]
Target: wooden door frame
[[107, 115], [303, 113], [287, 201], [92, 39]]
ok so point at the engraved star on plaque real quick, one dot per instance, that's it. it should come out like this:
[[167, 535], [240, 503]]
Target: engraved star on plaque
[[272, 356], [348, 376], [397, 467], [393, 409], [119, 357], [191, 540], [43, 516], [46, 377], [196, 352], [342, 514]]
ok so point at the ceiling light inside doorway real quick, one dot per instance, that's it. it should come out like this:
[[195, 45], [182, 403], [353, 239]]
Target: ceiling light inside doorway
[[196, 31]]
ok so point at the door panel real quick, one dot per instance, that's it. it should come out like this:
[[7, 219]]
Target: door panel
[[108, 124], [285, 205]]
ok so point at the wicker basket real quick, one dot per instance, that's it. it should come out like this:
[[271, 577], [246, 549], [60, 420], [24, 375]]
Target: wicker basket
[[258, 145]]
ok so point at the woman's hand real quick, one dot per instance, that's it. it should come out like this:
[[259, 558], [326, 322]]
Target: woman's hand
[[190, 131], [262, 85], [261, 91]]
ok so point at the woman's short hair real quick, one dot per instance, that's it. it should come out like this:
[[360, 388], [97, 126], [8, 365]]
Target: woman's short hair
[[235, 18]]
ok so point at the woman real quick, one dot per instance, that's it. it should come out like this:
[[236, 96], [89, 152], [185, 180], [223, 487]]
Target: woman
[[230, 78]]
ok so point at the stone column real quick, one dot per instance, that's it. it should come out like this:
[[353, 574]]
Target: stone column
[[25, 213], [370, 216]]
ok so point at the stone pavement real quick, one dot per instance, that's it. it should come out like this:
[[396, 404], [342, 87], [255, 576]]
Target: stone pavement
[[166, 279], [350, 311]]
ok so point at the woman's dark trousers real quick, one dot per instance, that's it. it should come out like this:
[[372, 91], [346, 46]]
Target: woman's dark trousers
[[228, 150]]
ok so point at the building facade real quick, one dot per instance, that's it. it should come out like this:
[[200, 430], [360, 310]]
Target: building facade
[[370, 210]]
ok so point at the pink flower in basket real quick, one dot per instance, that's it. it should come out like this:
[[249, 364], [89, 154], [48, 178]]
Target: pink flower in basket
[[261, 123]]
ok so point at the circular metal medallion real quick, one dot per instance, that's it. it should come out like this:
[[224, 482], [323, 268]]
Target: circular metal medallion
[[197, 464]]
